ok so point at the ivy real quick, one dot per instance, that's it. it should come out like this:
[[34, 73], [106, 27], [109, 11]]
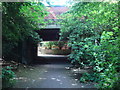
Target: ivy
[[93, 34]]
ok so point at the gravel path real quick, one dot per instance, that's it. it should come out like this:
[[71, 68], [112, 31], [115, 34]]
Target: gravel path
[[48, 76], [49, 72]]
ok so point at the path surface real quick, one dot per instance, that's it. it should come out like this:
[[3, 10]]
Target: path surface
[[48, 76]]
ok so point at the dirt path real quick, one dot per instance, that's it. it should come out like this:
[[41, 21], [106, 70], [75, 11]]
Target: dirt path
[[48, 76]]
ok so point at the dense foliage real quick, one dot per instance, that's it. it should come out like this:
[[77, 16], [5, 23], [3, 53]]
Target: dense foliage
[[19, 22], [52, 44], [93, 35], [8, 77]]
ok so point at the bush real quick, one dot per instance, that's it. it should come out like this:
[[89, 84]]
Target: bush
[[51, 44], [8, 77], [93, 34]]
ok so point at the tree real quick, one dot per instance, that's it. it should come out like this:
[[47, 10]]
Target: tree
[[20, 19]]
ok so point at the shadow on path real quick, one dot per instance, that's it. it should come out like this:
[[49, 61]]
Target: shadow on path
[[54, 74]]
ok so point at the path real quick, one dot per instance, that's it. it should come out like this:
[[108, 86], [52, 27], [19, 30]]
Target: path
[[48, 76]]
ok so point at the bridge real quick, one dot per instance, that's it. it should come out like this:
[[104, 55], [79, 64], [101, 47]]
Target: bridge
[[51, 31]]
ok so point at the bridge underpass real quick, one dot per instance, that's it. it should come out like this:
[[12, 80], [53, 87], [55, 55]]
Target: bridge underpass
[[50, 71], [50, 35]]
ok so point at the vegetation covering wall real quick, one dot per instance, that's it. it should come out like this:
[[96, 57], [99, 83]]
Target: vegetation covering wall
[[54, 48], [94, 36]]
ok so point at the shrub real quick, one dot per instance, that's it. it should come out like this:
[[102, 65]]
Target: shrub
[[8, 77], [93, 34]]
